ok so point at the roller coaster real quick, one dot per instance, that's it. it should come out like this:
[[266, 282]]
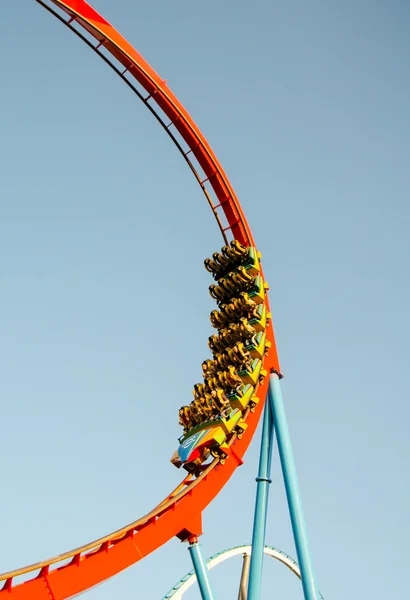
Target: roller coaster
[[240, 375]]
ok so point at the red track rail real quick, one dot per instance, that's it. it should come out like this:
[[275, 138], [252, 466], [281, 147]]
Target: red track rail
[[180, 513]]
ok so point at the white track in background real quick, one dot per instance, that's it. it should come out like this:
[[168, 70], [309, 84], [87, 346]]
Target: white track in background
[[186, 582]]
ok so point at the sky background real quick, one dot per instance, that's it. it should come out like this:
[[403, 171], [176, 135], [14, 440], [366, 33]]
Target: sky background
[[104, 305]]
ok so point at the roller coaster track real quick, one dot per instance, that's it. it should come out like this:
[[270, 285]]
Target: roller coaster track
[[178, 590], [180, 513]]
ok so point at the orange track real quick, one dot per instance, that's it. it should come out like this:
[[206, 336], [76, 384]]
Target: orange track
[[180, 514]]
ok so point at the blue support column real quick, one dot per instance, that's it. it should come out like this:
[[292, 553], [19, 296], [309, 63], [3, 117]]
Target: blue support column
[[201, 570], [261, 506], [292, 489]]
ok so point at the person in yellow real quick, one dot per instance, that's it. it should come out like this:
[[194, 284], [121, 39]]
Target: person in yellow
[[185, 418], [221, 402]]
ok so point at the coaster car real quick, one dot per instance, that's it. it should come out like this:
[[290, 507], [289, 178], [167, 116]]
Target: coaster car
[[223, 261], [231, 258], [233, 356], [232, 284], [237, 308], [196, 445], [242, 331], [231, 377]]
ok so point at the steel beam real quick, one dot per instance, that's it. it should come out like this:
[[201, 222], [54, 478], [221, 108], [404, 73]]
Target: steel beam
[[292, 488], [261, 505], [201, 569]]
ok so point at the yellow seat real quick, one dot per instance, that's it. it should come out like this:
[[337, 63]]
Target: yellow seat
[[241, 427], [231, 421], [211, 266], [235, 252], [241, 402], [258, 291], [252, 264], [253, 403], [262, 375], [258, 350], [259, 324], [252, 377]]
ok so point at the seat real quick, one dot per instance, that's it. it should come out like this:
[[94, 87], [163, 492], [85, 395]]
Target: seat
[[252, 377], [258, 291], [257, 350], [241, 401], [259, 323], [252, 263]]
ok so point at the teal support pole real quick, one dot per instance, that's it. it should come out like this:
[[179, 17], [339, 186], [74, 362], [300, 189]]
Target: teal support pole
[[292, 489], [261, 506], [201, 570]]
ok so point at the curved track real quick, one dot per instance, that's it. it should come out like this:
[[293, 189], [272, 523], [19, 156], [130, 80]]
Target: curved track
[[179, 514], [190, 578]]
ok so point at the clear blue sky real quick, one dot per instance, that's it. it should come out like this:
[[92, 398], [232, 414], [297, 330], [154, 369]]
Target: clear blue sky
[[104, 305]]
